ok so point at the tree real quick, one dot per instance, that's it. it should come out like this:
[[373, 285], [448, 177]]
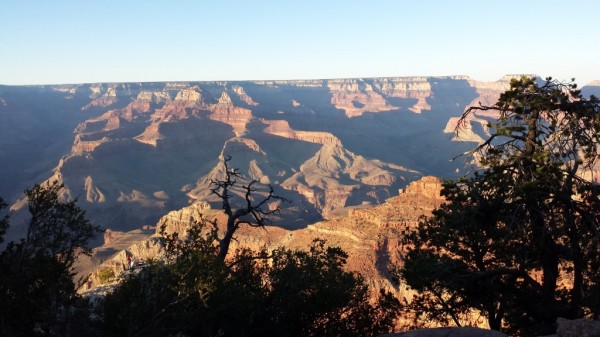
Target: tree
[[170, 295], [57, 228], [37, 293], [519, 240], [254, 210], [310, 294]]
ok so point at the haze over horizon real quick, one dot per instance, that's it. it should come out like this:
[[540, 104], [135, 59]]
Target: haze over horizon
[[81, 42]]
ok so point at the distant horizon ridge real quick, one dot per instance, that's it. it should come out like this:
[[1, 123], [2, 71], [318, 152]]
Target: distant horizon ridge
[[456, 76]]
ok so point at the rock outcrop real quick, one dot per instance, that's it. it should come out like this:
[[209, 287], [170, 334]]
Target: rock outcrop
[[226, 112], [369, 234], [357, 96], [577, 328], [281, 128]]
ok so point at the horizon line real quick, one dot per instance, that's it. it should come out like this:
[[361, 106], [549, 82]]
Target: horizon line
[[462, 76]]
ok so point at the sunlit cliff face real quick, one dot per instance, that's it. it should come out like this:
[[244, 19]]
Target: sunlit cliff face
[[369, 234]]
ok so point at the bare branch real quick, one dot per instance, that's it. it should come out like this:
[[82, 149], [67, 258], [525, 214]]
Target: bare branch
[[253, 206]]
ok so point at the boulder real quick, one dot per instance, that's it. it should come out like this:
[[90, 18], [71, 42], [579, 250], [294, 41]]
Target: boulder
[[577, 328]]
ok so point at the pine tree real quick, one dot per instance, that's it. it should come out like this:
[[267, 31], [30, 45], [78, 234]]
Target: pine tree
[[519, 240]]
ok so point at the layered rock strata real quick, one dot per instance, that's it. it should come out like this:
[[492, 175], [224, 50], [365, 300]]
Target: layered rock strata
[[369, 234], [134, 151]]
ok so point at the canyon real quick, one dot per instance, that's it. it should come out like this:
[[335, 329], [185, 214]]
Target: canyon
[[356, 158], [132, 152]]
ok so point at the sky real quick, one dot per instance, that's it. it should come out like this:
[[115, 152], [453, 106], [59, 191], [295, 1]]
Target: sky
[[86, 41]]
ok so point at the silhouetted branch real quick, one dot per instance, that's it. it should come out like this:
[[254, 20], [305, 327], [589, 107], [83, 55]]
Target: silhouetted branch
[[252, 206]]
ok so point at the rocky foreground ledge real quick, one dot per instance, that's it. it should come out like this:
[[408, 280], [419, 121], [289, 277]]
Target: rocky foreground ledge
[[449, 332], [566, 328]]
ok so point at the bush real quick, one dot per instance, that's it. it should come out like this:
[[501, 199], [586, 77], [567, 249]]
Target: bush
[[105, 275]]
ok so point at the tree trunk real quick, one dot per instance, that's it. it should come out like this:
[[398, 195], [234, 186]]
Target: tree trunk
[[548, 256], [226, 240]]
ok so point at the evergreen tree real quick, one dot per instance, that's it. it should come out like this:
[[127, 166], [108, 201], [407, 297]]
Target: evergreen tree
[[519, 240], [37, 293]]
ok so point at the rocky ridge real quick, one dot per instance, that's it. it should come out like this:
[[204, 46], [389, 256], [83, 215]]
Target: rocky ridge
[[369, 234]]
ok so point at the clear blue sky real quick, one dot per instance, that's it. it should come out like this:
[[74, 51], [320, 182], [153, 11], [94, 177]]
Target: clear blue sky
[[48, 42]]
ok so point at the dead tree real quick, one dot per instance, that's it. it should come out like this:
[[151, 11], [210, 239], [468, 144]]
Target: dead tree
[[253, 212]]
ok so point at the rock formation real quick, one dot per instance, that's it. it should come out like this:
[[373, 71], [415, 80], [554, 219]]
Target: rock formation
[[357, 96], [132, 152], [577, 328], [369, 234]]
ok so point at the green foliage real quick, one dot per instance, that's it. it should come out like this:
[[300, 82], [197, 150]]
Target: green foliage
[[513, 234], [288, 293], [37, 294], [105, 275], [57, 228], [311, 294]]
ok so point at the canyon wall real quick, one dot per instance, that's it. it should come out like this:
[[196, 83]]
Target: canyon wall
[[369, 234], [132, 152]]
